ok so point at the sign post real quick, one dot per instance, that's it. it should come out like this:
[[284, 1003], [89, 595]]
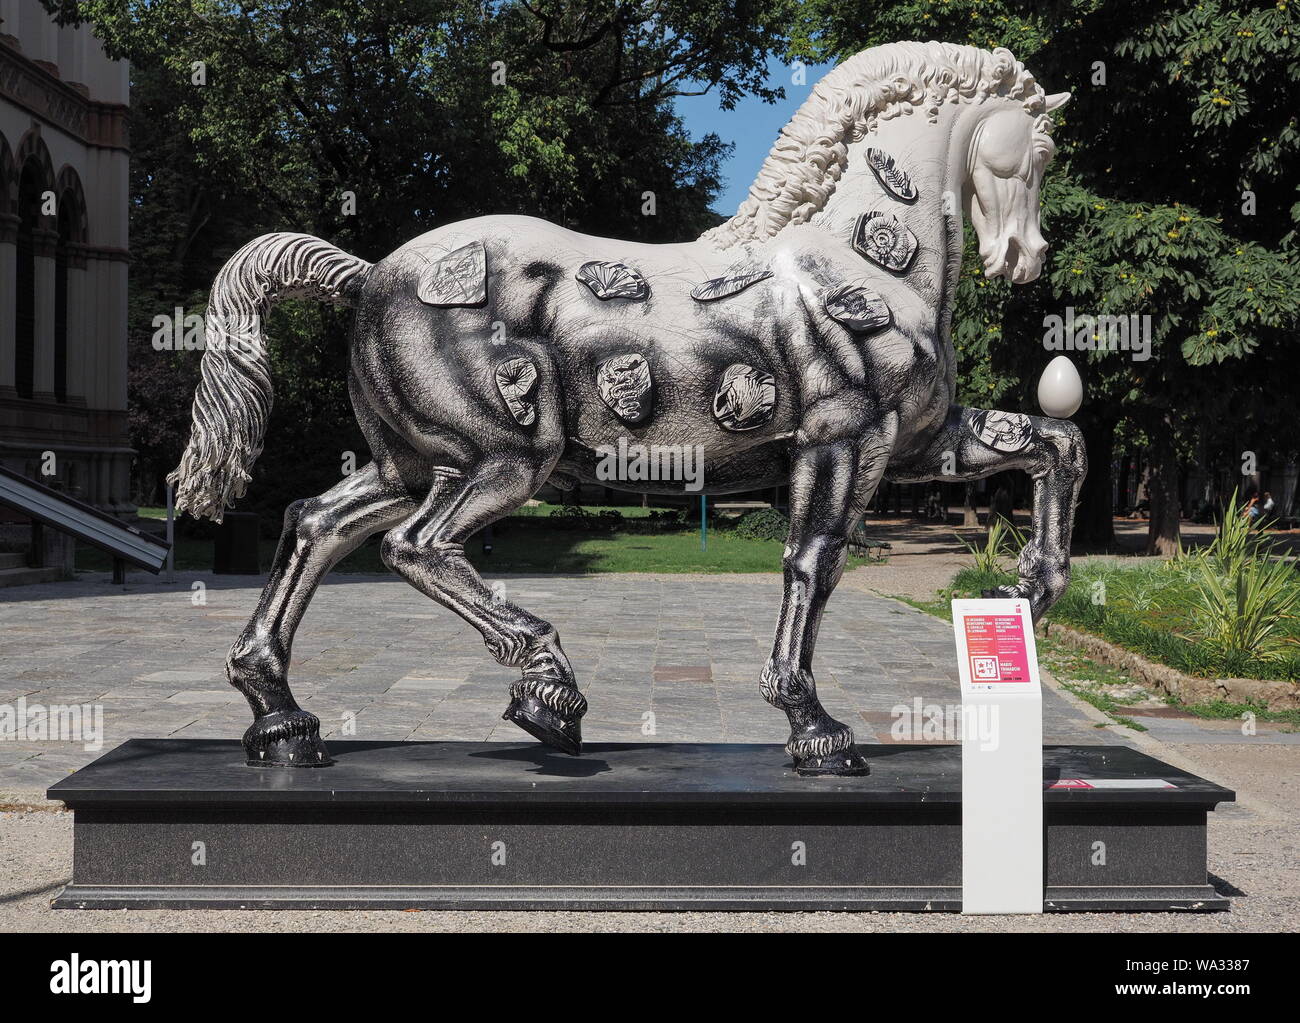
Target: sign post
[[1001, 757]]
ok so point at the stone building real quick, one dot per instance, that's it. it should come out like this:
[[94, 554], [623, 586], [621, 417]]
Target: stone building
[[63, 257]]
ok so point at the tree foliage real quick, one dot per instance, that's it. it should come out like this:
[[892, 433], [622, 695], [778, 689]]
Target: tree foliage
[[1173, 195], [368, 122]]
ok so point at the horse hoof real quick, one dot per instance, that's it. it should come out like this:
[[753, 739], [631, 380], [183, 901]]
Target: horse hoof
[[286, 739], [544, 724], [847, 763], [297, 751]]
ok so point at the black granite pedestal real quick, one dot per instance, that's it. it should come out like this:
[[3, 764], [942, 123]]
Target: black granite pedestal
[[470, 825]]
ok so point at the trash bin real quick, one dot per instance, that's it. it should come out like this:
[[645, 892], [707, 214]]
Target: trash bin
[[235, 552]]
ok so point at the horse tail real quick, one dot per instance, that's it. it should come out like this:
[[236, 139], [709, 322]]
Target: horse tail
[[233, 399]]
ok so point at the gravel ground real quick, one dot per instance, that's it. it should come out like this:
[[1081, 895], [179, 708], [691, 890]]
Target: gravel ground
[[916, 576]]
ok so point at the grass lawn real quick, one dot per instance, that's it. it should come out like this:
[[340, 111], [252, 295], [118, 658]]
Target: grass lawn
[[544, 509], [529, 541], [1149, 607], [1106, 688], [1152, 608]]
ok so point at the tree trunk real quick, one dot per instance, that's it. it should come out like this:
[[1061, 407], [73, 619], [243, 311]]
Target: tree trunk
[[1094, 518], [1163, 528], [970, 516]]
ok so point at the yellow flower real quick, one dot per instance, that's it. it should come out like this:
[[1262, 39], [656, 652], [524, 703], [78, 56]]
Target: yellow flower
[[1172, 233]]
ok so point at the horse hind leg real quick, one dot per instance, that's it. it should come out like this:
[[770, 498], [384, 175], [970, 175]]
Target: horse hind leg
[[318, 532], [427, 549]]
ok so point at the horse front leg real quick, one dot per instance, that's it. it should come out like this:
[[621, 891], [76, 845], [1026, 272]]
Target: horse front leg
[[975, 443], [829, 486]]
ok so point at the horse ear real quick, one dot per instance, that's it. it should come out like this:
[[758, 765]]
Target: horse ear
[[1056, 101]]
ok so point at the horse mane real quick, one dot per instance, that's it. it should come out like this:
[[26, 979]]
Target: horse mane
[[811, 153]]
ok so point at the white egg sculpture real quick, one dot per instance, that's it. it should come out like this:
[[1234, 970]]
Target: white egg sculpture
[[1060, 389]]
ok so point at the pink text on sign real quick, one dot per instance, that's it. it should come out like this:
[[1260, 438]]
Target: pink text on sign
[[996, 647]]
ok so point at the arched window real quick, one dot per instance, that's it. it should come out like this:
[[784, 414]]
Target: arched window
[[35, 182], [71, 227], [29, 215]]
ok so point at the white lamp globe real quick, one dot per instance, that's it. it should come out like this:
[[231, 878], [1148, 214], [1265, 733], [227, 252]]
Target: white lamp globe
[[1060, 389]]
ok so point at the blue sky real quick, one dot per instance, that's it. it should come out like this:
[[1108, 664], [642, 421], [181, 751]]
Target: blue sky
[[752, 126]]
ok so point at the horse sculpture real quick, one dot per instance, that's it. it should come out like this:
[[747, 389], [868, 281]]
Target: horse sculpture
[[806, 340]]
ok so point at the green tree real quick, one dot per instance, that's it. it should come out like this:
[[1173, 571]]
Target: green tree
[[370, 121], [1173, 195]]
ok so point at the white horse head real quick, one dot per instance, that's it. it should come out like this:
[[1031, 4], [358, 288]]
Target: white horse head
[[1010, 149], [919, 99]]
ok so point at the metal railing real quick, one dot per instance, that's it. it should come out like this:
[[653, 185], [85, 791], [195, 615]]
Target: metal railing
[[47, 507]]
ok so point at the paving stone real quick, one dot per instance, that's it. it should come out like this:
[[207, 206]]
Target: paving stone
[[375, 659]]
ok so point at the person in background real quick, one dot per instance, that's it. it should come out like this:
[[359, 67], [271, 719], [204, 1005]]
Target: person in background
[[1251, 509], [1268, 508]]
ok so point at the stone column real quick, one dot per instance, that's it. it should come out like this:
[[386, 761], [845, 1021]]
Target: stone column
[[122, 485], [116, 340], [96, 392], [44, 242], [80, 349], [8, 298], [103, 480]]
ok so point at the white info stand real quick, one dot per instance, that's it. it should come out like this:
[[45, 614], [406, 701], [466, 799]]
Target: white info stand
[[1001, 757]]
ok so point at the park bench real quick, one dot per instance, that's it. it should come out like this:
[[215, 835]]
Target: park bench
[[869, 547]]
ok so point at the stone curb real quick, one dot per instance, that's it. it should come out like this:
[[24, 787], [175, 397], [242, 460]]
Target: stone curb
[[1185, 688]]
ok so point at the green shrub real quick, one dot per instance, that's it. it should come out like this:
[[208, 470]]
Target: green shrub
[[1234, 542], [1226, 610], [972, 581], [576, 517], [665, 520], [1003, 540], [765, 524], [1238, 613]]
